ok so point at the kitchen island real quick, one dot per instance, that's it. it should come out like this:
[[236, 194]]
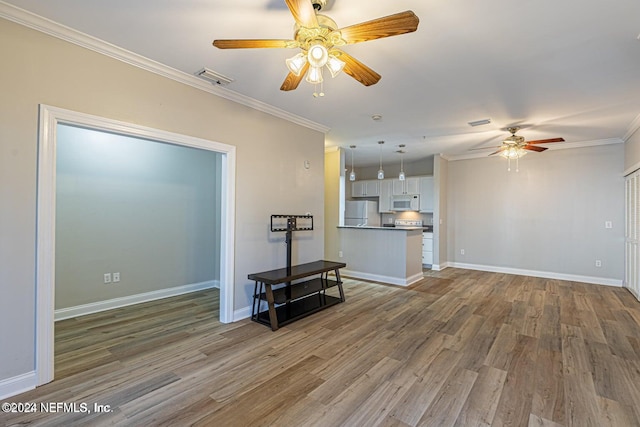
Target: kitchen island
[[382, 254]]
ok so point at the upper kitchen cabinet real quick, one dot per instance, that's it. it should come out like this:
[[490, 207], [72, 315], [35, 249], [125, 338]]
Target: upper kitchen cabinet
[[366, 188], [408, 186], [426, 194], [384, 205]]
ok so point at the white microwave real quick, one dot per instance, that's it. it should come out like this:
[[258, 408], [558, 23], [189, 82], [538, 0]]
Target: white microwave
[[405, 203]]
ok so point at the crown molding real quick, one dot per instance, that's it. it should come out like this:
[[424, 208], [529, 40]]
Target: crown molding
[[633, 127], [561, 146], [62, 32]]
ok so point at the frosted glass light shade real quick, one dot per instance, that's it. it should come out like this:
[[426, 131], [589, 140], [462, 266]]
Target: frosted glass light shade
[[335, 65], [314, 75], [318, 55], [513, 153], [380, 174], [295, 64], [401, 177], [352, 176]]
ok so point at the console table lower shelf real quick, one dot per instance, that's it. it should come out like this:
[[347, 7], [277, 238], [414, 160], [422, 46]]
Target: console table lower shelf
[[293, 301]]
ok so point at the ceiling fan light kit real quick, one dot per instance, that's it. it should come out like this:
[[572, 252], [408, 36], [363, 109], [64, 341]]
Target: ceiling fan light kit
[[513, 153], [319, 37]]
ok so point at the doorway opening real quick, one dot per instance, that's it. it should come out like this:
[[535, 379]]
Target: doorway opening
[[50, 119]]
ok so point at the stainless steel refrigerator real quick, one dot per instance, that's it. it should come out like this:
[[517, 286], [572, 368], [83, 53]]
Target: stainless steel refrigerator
[[361, 213]]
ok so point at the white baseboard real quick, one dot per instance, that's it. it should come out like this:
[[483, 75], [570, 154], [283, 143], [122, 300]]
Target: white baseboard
[[16, 385], [439, 267], [95, 307], [384, 279], [542, 274], [243, 313], [633, 292]]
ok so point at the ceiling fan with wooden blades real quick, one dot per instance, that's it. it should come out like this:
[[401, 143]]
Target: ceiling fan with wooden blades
[[319, 39], [515, 146]]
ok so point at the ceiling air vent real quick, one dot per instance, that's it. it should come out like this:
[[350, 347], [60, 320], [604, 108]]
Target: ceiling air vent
[[480, 122], [213, 77]]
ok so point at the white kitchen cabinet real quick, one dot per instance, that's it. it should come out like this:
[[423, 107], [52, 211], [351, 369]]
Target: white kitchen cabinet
[[408, 186], [384, 203], [427, 248], [365, 188], [426, 194]]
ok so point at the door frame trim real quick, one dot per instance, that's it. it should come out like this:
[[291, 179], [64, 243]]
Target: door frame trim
[[49, 118]]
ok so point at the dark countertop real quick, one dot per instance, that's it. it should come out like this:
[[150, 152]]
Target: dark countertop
[[369, 227]]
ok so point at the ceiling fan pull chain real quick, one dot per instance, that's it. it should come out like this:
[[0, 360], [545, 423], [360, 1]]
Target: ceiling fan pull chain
[[518, 163], [508, 164], [316, 93]]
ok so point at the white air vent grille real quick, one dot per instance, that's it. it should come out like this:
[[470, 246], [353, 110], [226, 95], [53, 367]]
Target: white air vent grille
[[215, 78], [480, 122]]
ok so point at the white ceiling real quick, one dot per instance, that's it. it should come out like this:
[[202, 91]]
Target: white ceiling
[[567, 68]]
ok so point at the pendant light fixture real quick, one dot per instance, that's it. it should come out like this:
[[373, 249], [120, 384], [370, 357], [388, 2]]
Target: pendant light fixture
[[352, 175], [401, 177], [380, 171]]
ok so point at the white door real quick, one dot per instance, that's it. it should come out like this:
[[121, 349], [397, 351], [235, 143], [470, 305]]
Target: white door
[[632, 233]]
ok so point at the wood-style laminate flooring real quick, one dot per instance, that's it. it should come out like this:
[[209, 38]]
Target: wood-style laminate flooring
[[459, 348]]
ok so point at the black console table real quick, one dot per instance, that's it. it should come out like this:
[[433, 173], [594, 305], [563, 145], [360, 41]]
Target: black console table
[[292, 301]]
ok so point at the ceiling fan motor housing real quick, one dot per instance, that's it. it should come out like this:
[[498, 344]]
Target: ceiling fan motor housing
[[319, 4]]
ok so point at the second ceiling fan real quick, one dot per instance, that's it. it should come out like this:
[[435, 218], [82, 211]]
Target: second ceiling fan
[[319, 38], [513, 145]]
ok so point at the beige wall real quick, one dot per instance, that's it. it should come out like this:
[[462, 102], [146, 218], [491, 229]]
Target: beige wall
[[440, 221], [149, 211], [333, 177], [39, 69], [548, 218]]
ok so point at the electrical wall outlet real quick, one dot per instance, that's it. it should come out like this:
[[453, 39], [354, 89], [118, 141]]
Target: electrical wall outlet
[[598, 263], [608, 224], [340, 254], [107, 278], [461, 251], [116, 277]]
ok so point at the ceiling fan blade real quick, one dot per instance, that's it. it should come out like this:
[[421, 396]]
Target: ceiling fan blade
[[484, 148], [250, 44], [392, 25], [303, 12], [358, 70], [499, 151], [546, 141], [534, 148], [292, 81]]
